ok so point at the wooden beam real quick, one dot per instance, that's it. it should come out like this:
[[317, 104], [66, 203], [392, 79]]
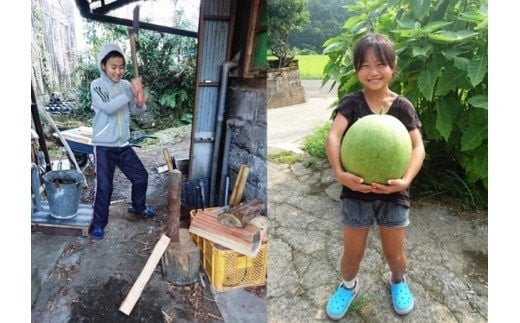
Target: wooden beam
[[135, 292]]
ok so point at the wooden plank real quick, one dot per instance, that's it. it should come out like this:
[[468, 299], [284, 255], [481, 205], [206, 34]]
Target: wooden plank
[[60, 228], [135, 292], [246, 241]]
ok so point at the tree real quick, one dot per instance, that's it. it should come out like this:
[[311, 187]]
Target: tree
[[326, 20], [282, 18], [442, 69]]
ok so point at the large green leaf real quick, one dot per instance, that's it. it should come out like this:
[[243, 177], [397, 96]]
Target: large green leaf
[[423, 51], [476, 165], [476, 131], [477, 70], [426, 82], [450, 79], [436, 25], [420, 8], [445, 36], [446, 115], [408, 23], [452, 53], [479, 101], [354, 20]]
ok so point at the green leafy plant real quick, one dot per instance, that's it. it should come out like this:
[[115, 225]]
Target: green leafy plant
[[442, 69], [314, 143]]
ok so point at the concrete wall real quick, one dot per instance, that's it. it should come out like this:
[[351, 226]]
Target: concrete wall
[[249, 142], [284, 87]]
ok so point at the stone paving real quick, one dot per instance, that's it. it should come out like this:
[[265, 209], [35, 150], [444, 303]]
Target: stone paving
[[447, 256]]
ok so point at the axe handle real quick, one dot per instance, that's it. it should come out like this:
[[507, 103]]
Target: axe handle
[[133, 53]]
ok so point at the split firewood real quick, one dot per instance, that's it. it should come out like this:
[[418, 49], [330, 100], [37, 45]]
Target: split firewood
[[240, 215]]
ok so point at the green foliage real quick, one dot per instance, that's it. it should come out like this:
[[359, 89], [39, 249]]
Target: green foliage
[[284, 157], [326, 20], [442, 69], [282, 18], [166, 66], [314, 143]]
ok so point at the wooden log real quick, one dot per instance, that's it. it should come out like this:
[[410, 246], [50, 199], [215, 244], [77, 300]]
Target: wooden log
[[135, 292], [246, 241], [241, 214], [181, 260], [173, 212]]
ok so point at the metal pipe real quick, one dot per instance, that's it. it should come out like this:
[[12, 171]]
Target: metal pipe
[[226, 67], [230, 123], [35, 184]]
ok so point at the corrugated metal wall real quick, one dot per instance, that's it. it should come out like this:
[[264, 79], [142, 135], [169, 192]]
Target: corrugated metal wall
[[214, 30]]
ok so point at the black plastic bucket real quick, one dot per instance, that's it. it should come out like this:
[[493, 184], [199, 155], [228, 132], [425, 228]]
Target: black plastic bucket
[[63, 190]]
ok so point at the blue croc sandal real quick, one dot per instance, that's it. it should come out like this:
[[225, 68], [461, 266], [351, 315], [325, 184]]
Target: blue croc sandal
[[402, 298], [338, 304]]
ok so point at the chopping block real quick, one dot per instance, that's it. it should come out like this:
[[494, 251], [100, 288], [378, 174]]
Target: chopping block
[[181, 260]]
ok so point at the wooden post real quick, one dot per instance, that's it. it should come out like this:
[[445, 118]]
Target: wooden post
[[173, 213]]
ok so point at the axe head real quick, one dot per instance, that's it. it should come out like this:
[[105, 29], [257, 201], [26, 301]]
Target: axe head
[[135, 21]]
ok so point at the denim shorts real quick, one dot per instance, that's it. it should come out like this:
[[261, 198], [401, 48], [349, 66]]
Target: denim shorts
[[363, 214]]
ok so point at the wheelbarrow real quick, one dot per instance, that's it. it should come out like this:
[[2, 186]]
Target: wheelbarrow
[[80, 142]]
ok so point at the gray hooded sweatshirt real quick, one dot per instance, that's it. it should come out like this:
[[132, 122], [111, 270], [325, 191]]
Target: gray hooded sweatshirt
[[112, 104]]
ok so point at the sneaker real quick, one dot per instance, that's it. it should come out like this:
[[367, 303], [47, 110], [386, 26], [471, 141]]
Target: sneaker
[[97, 234], [402, 298], [147, 213], [339, 303]]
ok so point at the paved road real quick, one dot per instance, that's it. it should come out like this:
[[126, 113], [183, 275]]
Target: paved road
[[287, 126]]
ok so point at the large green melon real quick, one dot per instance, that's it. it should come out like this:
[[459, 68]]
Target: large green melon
[[376, 148]]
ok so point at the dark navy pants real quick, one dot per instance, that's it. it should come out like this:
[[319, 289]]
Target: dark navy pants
[[106, 159]]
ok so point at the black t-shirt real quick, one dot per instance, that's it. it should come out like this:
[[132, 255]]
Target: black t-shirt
[[354, 106]]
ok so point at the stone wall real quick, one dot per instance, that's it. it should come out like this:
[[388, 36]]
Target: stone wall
[[284, 87], [248, 143]]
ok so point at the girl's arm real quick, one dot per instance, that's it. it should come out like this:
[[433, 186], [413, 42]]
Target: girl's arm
[[333, 148], [416, 161]]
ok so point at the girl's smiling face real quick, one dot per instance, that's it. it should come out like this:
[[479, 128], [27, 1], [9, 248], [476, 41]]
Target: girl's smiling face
[[374, 74], [115, 68]]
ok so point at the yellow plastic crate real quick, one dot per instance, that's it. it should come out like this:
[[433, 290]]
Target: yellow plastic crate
[[228, 269]]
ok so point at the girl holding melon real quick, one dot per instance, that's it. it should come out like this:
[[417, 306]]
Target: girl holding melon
[[368, 198]]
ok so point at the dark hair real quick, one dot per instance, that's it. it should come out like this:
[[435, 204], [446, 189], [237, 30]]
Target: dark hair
[[382, 46], [111, 54]]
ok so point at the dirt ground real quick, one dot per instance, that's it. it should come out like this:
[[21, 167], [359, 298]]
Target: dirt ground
[[93, 277]]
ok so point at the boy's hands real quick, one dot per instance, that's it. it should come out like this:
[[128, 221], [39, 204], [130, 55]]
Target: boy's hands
[[137, 89]]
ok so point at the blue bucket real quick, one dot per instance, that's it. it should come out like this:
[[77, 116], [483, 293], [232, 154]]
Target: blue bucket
[[63, 190]]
